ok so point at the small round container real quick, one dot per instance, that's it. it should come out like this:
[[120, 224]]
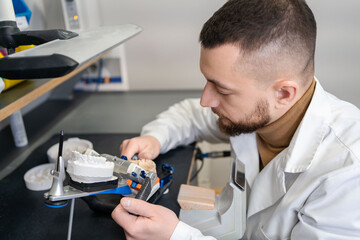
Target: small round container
[[72, 144], [39, 178]]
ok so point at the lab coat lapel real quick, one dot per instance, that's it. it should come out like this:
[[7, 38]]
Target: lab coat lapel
[[263, 192], [269, 186], [246, 151]]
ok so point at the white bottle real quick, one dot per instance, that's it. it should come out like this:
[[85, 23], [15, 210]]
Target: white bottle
[[18, 129]]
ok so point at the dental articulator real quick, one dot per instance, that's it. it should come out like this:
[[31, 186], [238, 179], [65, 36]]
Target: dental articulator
[[129, 179]]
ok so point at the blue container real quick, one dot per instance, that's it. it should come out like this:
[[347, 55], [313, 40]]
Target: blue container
[[21, 9]]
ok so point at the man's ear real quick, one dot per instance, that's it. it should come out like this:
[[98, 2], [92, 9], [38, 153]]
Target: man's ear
[[285, 93]]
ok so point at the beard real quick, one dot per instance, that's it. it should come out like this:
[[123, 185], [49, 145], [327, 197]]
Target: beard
[[259, 118]]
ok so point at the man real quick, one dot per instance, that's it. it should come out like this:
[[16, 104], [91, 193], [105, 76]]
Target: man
[[300, 145]]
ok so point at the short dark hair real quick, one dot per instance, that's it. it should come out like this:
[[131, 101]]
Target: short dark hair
[[253, 24]]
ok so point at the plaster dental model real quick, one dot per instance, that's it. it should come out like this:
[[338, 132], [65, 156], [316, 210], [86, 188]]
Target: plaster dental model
[[89, 169], [72, 144]]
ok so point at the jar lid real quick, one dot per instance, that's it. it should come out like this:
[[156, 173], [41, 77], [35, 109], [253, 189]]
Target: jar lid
[[39, 178]]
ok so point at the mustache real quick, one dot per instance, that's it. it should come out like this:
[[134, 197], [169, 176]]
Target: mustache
[[214, 110]]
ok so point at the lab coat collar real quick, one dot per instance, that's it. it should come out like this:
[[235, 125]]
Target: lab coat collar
[[296, 158], [303, 146]]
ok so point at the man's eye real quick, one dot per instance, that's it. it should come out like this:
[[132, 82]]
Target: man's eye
[[222, 93]]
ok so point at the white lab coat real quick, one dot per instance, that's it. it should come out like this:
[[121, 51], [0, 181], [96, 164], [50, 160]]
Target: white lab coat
[[311, 190]]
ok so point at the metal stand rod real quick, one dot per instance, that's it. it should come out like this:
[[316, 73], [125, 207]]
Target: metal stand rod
[[71, 218]]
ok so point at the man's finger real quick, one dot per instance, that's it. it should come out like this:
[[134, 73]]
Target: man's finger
[[146, 155], [130, 149], [123, 145], [138, 207], [122, 217]]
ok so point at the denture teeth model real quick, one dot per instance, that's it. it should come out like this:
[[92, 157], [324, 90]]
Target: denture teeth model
[[146, 164], [89, 169]]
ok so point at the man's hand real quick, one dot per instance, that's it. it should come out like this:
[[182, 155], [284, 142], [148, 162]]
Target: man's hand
[[153, 222], [147, 147]]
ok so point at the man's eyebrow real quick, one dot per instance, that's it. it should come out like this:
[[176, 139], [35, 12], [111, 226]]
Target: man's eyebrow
[[219, 84]]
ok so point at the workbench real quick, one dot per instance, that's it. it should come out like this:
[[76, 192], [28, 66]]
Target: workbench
[[24, 216]]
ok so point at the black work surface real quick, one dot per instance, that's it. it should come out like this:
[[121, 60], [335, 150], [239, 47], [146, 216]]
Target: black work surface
[[24, 216]]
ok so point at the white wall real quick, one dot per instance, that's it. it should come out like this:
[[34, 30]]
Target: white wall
[[338, 47], [166, 54]]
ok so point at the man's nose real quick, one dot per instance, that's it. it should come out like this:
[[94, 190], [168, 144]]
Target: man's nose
[[208, 96]]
